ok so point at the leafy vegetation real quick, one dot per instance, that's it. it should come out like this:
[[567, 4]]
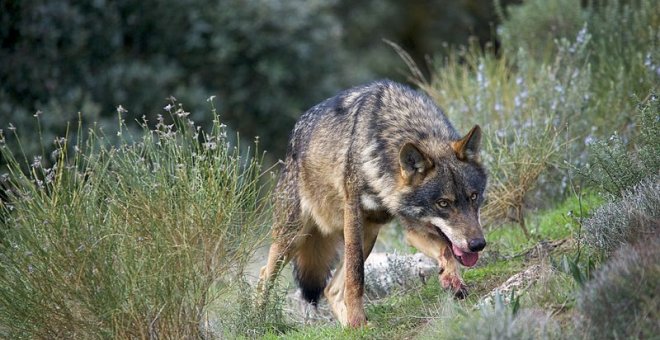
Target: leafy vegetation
[[613, 166]]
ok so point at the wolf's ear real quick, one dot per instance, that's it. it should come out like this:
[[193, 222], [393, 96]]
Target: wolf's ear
[[414, 163], [467, 148]]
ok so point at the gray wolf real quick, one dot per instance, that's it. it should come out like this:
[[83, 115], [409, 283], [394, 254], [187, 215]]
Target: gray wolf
[[355, 162]]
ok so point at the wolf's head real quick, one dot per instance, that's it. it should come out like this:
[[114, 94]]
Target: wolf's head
[[443, 189]]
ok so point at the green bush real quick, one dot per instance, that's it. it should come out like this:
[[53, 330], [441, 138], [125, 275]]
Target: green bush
[[625, 57], [621, 301], [616, 164], [126, 241], [236, 315]]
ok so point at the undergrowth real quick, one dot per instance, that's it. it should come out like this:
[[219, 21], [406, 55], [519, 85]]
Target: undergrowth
[[131, 240]]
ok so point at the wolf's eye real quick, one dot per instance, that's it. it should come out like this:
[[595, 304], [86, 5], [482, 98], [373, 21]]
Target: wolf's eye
[[443, 203], [474, 196]]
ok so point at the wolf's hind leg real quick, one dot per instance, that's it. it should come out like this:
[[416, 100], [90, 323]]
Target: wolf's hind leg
[[436, 247], [313, 261], [286, 226], [278, 257]]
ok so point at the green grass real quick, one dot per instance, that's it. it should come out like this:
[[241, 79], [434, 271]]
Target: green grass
[[554, 224], [397, 316]]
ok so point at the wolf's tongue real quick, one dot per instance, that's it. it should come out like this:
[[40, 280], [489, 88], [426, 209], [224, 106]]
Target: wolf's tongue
[[466, 259]]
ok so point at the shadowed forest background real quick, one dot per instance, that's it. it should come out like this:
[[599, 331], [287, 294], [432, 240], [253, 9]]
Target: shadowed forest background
[[265, 62]]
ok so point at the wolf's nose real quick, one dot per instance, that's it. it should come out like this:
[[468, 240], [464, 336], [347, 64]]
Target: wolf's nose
[[477, 244]]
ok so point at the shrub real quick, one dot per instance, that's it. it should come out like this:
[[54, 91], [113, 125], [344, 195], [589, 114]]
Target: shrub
[[624, 56], [621, 301], [126, 241], [622, 52], [496, 321], [635, 216], [536, 25], [617, 164], [235, 314]]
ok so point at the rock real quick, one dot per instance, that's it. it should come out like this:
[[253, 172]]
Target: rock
[[389, 272], [385, 273], [518, 282]]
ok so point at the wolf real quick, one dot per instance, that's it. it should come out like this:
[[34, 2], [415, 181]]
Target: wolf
[[356, 161]]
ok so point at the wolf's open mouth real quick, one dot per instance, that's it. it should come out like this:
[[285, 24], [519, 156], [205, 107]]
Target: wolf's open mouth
[[467, 259]]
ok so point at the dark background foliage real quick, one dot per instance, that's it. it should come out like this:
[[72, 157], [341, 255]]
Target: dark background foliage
[[264, 61]]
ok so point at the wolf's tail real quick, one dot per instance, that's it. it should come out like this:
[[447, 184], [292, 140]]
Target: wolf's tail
[[312, 265]]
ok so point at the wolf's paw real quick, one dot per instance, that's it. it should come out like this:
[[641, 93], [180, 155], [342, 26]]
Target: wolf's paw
[[454, 282], [356, 320]]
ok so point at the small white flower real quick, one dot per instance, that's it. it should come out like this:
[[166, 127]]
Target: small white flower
[[582, 35], [181, 113], [55, 154], [36, 162], [517, 102], [519, 80], [210, 145]]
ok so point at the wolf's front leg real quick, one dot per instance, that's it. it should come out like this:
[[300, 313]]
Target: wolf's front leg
[[334, 292], [438, 248], [353, 263], [345, 291]]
